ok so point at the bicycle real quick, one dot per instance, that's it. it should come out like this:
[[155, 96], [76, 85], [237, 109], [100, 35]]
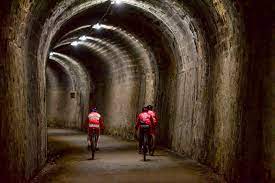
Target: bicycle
[[93, 138], [145, 135]]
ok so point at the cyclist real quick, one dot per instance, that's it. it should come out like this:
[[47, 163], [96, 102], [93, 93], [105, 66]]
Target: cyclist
[[143, 117], [153, 129], [95, 120]]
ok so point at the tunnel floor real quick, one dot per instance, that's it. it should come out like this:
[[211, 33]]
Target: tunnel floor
[[116, 161]]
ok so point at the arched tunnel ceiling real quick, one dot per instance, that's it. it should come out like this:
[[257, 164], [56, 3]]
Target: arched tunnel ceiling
[[125, 46], [57, 76], [78, 73], [146, 21], [114, 36], [119, 17]]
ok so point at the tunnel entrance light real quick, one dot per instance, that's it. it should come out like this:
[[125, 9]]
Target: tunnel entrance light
[[75, 43], [97, 26], [83, 38], [115, 1]]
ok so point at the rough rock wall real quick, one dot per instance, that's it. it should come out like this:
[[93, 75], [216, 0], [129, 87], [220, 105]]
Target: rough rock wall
[[23, 137], [258, 100], [118, 101], [191, 116], [61, 100], [68, 92]]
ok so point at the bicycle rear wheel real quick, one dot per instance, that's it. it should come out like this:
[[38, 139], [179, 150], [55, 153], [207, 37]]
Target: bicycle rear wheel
[[93, 145], [145, 142]]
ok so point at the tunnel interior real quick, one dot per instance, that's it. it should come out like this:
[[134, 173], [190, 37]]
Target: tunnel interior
[[194, 61], [132, 62]]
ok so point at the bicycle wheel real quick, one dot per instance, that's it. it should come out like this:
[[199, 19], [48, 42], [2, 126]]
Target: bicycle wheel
[[93, 145], [145, 142], [151, 145]]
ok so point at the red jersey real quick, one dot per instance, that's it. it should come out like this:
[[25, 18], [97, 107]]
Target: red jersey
[[96, 119], [145, 117], [154, 117]]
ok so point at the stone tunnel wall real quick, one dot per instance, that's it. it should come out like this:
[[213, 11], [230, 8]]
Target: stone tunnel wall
[[238, 133], [120, 110], [68, 92], [23, 137], [61, 100]]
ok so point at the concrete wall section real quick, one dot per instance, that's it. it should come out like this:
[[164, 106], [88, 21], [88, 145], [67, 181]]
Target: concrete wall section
[[67, 101], [61, 107], [120, 111]]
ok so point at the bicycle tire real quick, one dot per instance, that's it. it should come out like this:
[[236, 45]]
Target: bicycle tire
[[144, 146], [150, 144], [93, 145]]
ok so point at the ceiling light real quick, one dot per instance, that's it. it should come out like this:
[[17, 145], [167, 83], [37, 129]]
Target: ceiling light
[[97, 26], [83, 38], [115, 1], [75, 43]]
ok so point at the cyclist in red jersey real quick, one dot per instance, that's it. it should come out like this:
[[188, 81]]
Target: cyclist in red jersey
[[95, 120], [145, 118]]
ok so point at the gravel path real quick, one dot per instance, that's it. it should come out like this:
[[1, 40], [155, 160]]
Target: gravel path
[[117, 161]]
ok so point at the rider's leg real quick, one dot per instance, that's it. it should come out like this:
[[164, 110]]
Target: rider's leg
[[153, 143], [88, 139], [88, 142], [97, 138], [140, 139]]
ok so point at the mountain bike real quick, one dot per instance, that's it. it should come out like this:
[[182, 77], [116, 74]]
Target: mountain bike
[[145, 137], [93, 138]]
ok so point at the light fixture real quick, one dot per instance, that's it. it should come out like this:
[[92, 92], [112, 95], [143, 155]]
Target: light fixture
[[74, 43], [115, 1], [51, 54], [83, 38], [97, 26]]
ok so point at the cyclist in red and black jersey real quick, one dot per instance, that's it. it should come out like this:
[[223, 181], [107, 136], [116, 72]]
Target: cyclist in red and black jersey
[[95, 121]]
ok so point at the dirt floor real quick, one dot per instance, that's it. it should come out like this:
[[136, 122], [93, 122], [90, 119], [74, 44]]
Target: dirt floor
[[116, 161]]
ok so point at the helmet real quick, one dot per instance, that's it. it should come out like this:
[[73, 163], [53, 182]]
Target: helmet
[[144, 109], [94, 109], [149, 107]]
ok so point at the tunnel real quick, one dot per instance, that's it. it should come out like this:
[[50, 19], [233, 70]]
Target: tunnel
[[205, 65]]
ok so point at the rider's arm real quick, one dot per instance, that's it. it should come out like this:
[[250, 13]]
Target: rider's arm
[[155, 119], [101, 122]]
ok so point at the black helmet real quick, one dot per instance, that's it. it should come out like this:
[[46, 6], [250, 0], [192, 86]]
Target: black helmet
[[94, 109], [144, 109], [149, 107]]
